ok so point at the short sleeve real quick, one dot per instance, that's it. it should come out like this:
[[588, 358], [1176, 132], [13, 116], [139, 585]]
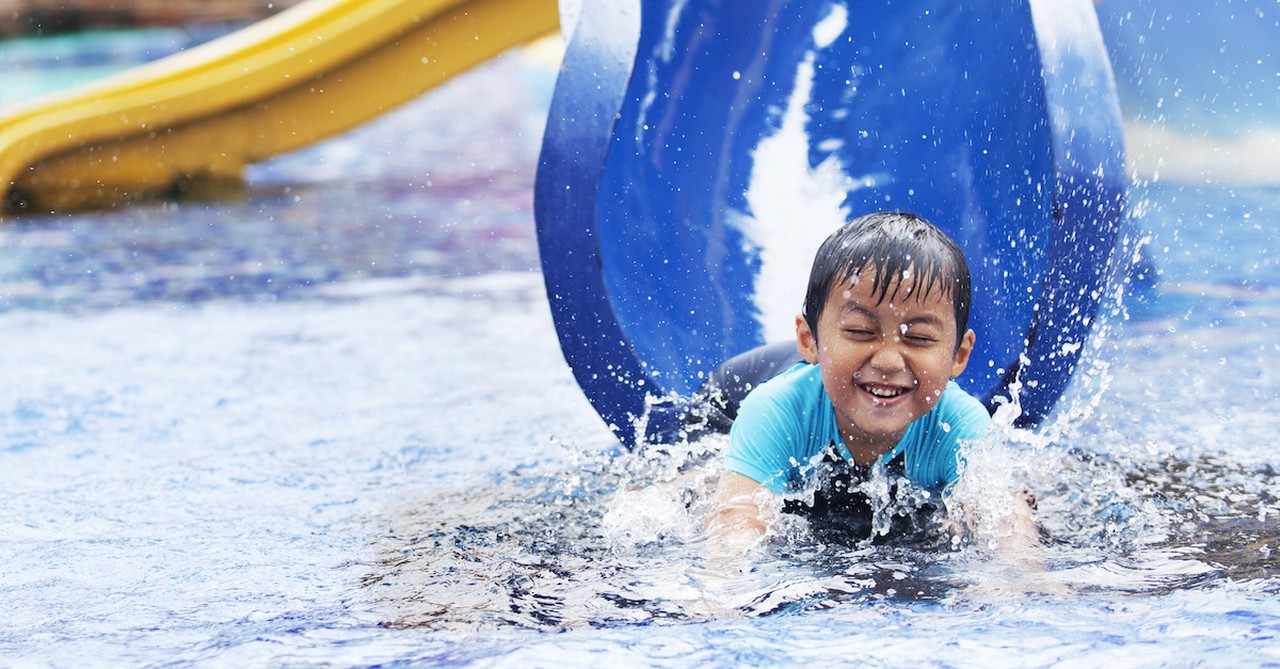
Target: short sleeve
[[770, 439], [759, 445], [934, 444]]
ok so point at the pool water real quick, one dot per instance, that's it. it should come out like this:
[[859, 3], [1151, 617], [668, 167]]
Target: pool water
[[328, 423], [37, 65]]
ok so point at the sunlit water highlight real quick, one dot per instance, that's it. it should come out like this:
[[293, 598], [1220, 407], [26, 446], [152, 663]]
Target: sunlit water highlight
[[329, 423]]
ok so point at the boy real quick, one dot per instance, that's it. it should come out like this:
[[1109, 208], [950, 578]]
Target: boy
[[883, 332]]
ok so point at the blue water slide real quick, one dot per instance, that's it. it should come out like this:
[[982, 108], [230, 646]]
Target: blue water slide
[[698, 151]]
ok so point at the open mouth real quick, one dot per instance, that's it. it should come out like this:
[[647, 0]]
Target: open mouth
[[882, 392]]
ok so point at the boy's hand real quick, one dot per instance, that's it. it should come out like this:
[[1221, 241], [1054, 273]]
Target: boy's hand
[[734, 524], [1024, 533], [735, 510], [1007, 525], [1008, 528]]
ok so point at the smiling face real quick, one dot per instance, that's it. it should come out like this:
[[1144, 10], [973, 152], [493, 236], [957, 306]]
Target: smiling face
[[885, 357]]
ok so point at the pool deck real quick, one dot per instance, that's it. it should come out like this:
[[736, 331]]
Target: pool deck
[[43, 17]]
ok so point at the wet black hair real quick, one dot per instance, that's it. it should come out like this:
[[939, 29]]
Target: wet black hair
[[890, 243]]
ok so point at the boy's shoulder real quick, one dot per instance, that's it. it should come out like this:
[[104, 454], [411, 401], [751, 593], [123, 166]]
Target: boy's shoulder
[[957, 415], [798, 385], [960, 398], [792, 407], [782, 422]]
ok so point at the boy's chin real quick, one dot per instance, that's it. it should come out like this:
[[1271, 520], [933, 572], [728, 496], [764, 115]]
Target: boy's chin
[[883, 429], [892, 425]]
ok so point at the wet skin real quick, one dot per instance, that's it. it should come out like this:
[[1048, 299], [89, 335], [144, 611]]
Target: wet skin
[[884, 362]]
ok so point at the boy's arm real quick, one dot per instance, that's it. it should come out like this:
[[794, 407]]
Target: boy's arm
[[1019, 561], [979, 511], [733, 525], [1024, 533], [735, 509], [765, 441]]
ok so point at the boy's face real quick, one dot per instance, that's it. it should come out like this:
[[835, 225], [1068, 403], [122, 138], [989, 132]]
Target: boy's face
[[884, 364]]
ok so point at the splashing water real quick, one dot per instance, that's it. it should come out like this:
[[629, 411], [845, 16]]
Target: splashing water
[[619, 540], [318, 426]]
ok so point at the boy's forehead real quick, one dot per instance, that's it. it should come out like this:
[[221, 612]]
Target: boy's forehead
[[862, 286]]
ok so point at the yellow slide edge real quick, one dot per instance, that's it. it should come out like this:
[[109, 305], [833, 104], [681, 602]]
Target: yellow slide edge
[[312, 71]]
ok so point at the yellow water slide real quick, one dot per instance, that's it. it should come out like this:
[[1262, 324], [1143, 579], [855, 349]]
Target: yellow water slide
[[200, 116]]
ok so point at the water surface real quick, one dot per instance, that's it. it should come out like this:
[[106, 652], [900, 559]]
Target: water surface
[[328, 423]]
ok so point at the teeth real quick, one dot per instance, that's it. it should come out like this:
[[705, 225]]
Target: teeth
[[884, 392]]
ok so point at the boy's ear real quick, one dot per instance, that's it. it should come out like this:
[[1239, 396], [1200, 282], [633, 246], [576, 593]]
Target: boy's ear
[[963, 351], [806, 341]]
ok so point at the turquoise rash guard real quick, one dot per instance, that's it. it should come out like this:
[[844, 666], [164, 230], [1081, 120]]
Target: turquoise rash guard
[[786, 425]]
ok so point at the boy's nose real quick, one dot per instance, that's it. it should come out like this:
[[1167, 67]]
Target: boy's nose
[[887, 358]]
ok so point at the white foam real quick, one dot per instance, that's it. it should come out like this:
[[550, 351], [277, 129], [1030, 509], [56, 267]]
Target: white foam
[[793, 206], [830, 28], [1243, 157]]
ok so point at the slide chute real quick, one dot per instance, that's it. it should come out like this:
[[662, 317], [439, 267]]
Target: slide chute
[[310, 72], [695, 157]]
